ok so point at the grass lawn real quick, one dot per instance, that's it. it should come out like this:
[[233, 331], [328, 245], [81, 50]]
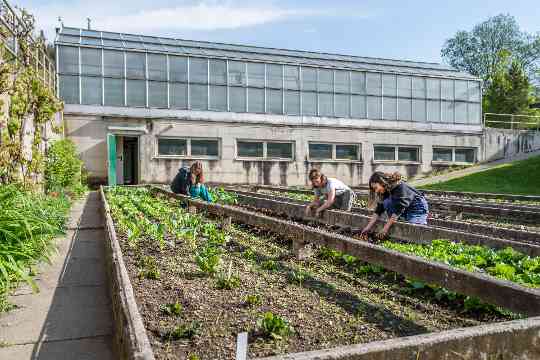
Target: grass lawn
[[519, 177]]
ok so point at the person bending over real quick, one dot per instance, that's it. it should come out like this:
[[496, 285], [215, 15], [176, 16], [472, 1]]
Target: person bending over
[[190, 181], [398, 199], [329, 193]]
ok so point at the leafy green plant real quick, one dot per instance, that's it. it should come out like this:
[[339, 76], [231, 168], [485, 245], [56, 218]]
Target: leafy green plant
[[227, 280], [249, 254], [369, 269], [183, 331], [208, 259], [274, 326], [270, 265], [63, 168], [329, 254], [148, 268], [171, 309], [253, 299], [222, 196], [298, 276], [193, 357]]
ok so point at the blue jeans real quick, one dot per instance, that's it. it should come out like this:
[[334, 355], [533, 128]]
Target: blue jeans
[[416, 213]]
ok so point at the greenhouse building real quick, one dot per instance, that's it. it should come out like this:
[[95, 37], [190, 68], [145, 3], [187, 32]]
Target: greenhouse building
[[139, 107]]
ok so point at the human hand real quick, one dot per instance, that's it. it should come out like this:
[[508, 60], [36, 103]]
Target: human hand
[[381, 236], [307, 211], [318, 213]]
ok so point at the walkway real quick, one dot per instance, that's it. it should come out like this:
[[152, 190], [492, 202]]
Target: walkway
[[70, 318]]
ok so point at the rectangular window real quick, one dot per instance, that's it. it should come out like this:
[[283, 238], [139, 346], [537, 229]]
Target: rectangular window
[[218, 98], [434, 111], [342, 105], [237, 99], [198, 70], [461, 112], [188, 147], [68, 60], [384, 153], [474, 91], [388, 153], [91, 90], [274, 101], [473, 113], [347, 152], [419, 87], [274, 76], [309, 103], [408, 154], [292, 77], [135, 65], [374, 107], [292, 102], [442, 154], [326, 80], [198, 95], [320, 151], [136, 93], [465, 155], [447, 112], [358, 106], [218, 72], [114, 92], [203, 148], [237, 73], [178, 68], [419, 110], [255, 75], [276, 150], [250, 149], [113, 62], [69, 89], [157, 94], [334, 152], [404, 86], [389, 108], [309, 79], [447, 89], [433, 87], [326, 104], [404, 109], [157, 67], [389, 85], [178, 96], [255, 100], [373, 84], [461, 90], [341, 81], [177, 147], [90, 61], [358, 82]]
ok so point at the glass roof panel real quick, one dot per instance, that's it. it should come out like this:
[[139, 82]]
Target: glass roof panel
[[131, 37], [110, 35], [70, 31], [92, 33], [91, 41], [134, 45], [69, 38], [157, 47], [114, 43], [168, 41]]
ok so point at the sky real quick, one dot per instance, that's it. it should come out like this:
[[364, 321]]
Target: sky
[[409, 30]]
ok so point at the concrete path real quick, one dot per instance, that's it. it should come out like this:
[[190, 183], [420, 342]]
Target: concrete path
[[70, 318], [471, 170]]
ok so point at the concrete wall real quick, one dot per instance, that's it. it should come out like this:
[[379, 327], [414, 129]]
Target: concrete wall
[[89, 127], [506, 143]]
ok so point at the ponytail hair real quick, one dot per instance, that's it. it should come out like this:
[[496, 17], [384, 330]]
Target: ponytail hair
[[316, 173], [199, 178], [387, 180]]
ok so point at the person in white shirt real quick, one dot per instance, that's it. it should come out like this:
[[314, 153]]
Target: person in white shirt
[[330, 193]]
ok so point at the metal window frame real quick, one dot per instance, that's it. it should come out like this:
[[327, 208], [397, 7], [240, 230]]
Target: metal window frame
[[188, 148], [265, 150]]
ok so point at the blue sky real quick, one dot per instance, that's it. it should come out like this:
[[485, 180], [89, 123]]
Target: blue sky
[[413, 30]]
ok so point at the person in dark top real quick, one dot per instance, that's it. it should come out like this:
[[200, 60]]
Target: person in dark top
[[398, 199], [190, 181]]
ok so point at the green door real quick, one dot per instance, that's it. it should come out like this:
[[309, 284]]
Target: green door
[[111, 159]]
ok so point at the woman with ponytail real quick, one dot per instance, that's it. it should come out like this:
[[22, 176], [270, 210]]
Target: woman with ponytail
[[190, 181], [388, 193], [330, 193]]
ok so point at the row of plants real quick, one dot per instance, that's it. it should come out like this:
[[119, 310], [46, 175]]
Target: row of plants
[[305, 197]]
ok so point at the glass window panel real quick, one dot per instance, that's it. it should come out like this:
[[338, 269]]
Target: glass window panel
[[433, 88], [342, 105], [341, 81], [218, 72], [136, 93], [237, 99], [69, 89], [465, 155], [237, 73], [326, 104], [389, 108], [320, 151], [292, 102], [374, 107], [70, 31], [442, 154], [389, 85], [309, 79], [91, 90], [157, 67], [474, 115], [204, 147], [309, 103], [69, 39], [447, 89], [326, 80], [255, 100], [90, 41], [384, 153], [113, 62], [404, 109], [110, 35], [218, 97], [134, 45], [461, 90], [135, 65], [447, 108], [433, 111], [178, 68], [114, 92], [418, 87], [292, 77], [461, 112], [178, 95], [408, 153], [274, 101], [198, 95], [176, 147], [279, 150], [474, 91], [157, 94], [358, 82], [274, 76], [346, 152], [113, 43], [373, 84], [358, 106], [250, 149], [255, 74], [90, 61], [419, 110], [198, 70], [404, 86]]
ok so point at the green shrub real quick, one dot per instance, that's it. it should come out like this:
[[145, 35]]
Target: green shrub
[[63, 168], [274, 326]]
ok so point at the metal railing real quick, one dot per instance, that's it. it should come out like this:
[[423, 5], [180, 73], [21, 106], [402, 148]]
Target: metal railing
[[512, 121], [13, 24]]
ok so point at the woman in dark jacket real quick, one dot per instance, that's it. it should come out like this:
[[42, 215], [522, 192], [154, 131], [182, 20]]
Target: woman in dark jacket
[[388, 193], [190, 181]]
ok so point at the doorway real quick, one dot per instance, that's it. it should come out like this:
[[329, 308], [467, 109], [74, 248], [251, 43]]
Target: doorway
[[130, 166]]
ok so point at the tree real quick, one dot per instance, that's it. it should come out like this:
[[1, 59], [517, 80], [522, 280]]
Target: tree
[[477, 52]]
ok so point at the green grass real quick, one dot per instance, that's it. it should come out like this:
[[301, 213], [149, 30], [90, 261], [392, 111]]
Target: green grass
[[519, 177]]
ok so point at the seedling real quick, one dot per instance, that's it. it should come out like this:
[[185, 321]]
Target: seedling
[[171, 309], [274, 326], [249, 255], [184, 331], [269, 265], [148, 268], [349, 259], [369, 269], [193, 357], [298, 276], [208, 259], [227, 281], [254, 299], [329, 254]]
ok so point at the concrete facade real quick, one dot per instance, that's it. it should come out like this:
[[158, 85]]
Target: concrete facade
[[506, 143]]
